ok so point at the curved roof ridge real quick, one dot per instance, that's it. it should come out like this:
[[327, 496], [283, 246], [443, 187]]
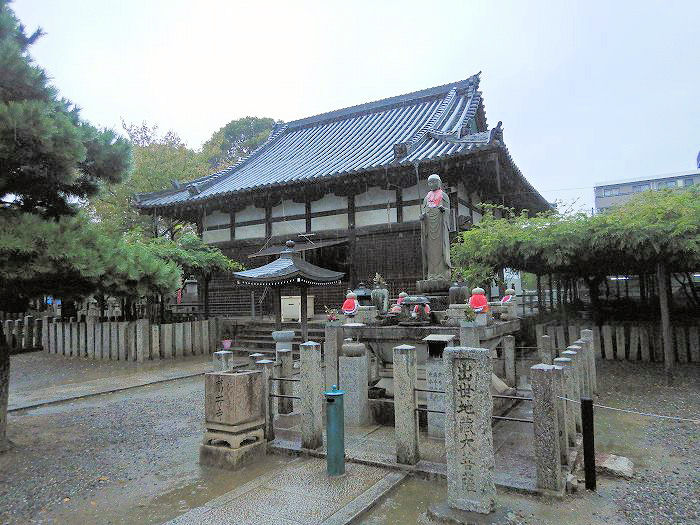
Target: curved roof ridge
[[387, 103]]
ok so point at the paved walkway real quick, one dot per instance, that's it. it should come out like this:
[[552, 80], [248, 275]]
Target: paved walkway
[[301, 492], [376, 445], [39, 378]]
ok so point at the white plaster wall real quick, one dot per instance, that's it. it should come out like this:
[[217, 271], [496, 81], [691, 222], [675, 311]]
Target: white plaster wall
[[253, 231], [216, 218], [289, 227], [367, 218], [375, 195], [463, 210], [329, 203], [289, 207], [216, 235], [415, 192], [476, 217], [330, 222], [251, 213], [411, 213]]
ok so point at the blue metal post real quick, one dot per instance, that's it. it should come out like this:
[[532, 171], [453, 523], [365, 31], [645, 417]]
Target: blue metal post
[[335, 432]]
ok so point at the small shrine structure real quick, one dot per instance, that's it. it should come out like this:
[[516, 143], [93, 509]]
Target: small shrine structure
[[289, 270]]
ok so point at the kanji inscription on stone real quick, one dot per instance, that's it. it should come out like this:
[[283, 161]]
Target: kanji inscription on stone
[[233, 398]]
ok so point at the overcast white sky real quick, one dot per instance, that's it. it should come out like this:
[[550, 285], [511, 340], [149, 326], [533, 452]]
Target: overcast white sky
[[587, 91]]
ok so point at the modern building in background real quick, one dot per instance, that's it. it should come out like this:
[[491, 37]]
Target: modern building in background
[[619, 192]]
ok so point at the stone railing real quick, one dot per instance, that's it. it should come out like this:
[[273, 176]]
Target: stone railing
[[130, 340], [21, 332]]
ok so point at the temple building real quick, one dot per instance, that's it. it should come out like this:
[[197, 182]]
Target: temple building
[[347, 187]]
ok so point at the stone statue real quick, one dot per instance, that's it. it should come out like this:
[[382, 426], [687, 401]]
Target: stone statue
[[435, 233]]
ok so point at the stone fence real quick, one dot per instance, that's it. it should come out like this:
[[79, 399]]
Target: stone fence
[[130, 340], [627, 342], [21, 332]]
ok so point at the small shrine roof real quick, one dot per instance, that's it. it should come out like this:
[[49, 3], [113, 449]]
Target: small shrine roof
[[288, 269]]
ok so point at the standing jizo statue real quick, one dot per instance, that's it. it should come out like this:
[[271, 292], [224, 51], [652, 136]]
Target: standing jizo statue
[[435, 232]]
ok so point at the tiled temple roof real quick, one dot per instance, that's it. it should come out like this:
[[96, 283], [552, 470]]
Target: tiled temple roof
[[408, 129]]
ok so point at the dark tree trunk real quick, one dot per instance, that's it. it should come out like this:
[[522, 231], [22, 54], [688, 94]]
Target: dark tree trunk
[[206, 296], [662, 279], [4, 390], [551, 293], [540, 303], [642, 289]]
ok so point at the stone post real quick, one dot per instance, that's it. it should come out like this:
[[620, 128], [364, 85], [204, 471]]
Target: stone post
[[587, 337], [179, 339], [552, 333], [206, 349], [155, 342], [97, 339], [405, 416], [547, 349], [187, 333], [223, 360], [509, 359], [331, 351], [123, 351], [143, 340], [45, 320], [114, 340], [607, 342], [166, 335], [469, 336], [68, 338], [435, 380], [546, 427], [571, 407], [28, 329], [106, 340], [82, 339], [311, 393], [468, 435], [286, 388], [352, 371], [197, 338], [579, 348], [51, 327], [562, 425], [9, 329], [576, 362], [213, 334], [267, 367]]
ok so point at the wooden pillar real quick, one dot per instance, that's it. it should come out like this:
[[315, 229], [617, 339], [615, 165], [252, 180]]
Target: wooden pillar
[[399, 205], [277, 307], [307, 214]]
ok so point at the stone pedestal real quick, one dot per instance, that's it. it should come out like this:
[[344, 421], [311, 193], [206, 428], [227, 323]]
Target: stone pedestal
[[405, 417], [233, 419], [434, 380], [468, 435], [437, 291], [223, 360], [311, 393], [469, 336], [546, 428], [353, 372], [366, 315], [455, 314]]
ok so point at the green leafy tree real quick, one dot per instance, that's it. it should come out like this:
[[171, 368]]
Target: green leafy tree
[[158, 160], [656, 231], [235, 140], [49, 157]]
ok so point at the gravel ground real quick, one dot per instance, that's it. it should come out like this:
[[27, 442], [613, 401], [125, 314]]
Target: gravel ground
[[128, 457], [666, 486]]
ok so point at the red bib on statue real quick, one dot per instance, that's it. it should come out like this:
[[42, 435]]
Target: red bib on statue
[[478, 303]]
